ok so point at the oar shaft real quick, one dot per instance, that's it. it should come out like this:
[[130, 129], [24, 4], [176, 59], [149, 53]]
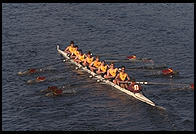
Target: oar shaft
[[157, 83], [117, 60], [117, 55], [153, 67], [160, 83]]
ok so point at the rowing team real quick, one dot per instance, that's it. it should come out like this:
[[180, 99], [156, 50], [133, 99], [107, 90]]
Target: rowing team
[[115, 75]]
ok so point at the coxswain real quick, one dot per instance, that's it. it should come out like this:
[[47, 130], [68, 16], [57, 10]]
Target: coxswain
[[134, 87], [111, 72], [75, 52], [88, 60], [70, 48], [95, 64], [80, 57], [122, 78], [102, 69]]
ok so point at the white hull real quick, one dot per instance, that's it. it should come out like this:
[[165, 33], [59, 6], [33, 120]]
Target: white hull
[[138, 96]]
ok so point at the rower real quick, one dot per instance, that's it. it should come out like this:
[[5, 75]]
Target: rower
[[121, 78], [134, 87], [88, 60], [95, 64], [111, 73], [70, 48], [75, 52], [102, 69], [80, 57]]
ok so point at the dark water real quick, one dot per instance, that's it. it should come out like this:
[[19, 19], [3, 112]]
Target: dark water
[[163, 32]]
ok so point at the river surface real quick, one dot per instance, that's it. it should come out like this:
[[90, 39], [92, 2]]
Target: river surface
[[160, 31]]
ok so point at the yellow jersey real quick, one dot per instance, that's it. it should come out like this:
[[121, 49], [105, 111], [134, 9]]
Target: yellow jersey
[[81, 58], [96, 63], [103, 68], [122, 76], [71, 49], [89, 60], [113, 72], [76, 52]]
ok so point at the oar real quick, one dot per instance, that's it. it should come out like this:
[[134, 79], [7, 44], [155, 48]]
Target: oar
[[57, 91], [113, 55], [36, 70], [40, 79], [128, 57], [160, 73], [141, 60], [153, 67], [130, 60], [118, 61], [161, 83]]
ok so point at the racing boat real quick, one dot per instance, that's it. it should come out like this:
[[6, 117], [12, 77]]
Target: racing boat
[[138, 96]]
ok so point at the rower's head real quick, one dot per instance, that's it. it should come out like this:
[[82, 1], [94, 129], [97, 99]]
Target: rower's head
[[80, 51], [112, 65], [103, 63], [97, 58], [76, 47], [72, 43], [123, 69], [89, 54], [133, 81]]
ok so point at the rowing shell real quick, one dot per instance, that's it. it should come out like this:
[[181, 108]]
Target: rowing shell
[[138, 96]]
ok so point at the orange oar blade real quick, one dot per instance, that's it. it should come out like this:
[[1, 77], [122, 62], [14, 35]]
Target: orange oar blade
[[32, 71], [192, 86], [131, 57], [41, 78]]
